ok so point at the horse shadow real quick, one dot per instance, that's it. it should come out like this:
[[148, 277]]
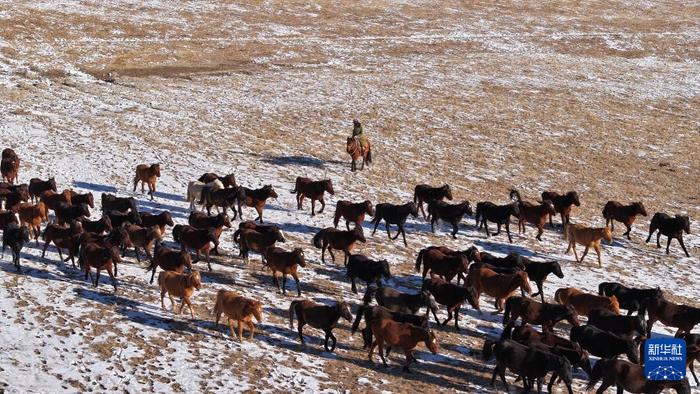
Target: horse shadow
[[298, 228], [96, 187], [303, 161], [504, 248], [264, 280], [155, 206]]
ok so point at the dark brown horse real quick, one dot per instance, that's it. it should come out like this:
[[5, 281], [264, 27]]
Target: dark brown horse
[[9, 168], [228, 180], [630, 377], [683, 317], [110, 202], [330, 238], [450, 213], [100, 226], [305, 187], [256, 198], [536, 214], [217, 222], [7, 218], [52, 199], [201, 240], [142, 237], [404, 335], [120, 217], [63, 237], [147, 175], [452, 296], [101, 258], [169, 260], [446, 265], [66, 212], [562, 204], [533, 312], [487, 211], [356, 151], [82, 198], [394, 214], [225, 198], [370, 271], [672, 227], [319, 316], [692, 352], [161, 220], [251, 240], [352, 212], [285, 262], [37, 187], [626, 214], [426, 193]]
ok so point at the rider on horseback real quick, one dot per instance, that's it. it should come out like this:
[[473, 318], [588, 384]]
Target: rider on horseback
[[358, 134]]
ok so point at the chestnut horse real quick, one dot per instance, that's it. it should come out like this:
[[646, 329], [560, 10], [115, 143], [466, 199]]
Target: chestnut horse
[[536, 214], [100, 257], [9, 167], [169, 260], [305, 187], [626, 214], [672, 227], [331, 238], [562, 204], [584, 303], [255, 198], [588, 237], [425, 193], [446, 265], [498, 286], [285, 262], [147, 175], [32, 216], [352, 212], [533, 312], [239, 309], [404, 335], [355, 151]]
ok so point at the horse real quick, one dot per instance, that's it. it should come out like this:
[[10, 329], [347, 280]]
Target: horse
[[161, 220], [194, 191], [287, 263], [64, 238], [330, 238], [692, 352], [394, 214], [498, 286], [355, 151], [256, 198], [217, 222], [117, 238], [584, 303], [404, 335], [562, 204], [448, 266], [82, 198], [7, 218], [352, 212], [507, 264], [118, 218], [66, 212], [102, 258], [629, 298], [683, 317], [426, 193], [362, 267], [111, 202], [625, 214], [538, 271], [630, 377], [179, 285], [37, 187], [9, 153], [14, 236], [147, 174], [227, 180], [239, 309], [588, 237], [250, 225], [499, 214], [323, 317], [9, 168], [604, 344], [32, 216], [372, 313], [396, 301], [452, 296], [527, 334], [258, 242], [624, 326], [142, 237], [672, 227], [536, 214], [224, 198], [15, 198], [168, 260], [450, 213], [533, 312], [305, 187], [199, 239]]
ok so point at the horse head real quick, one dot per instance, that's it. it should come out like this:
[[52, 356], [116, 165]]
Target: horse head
[[223, 220], [472, 296], [52, 184], [299, 257], [429, 301], [369, 208], [328, 186], [549, 207], [556, 269], [467, 208], [639, 208], [359, 234], [279, 235], [446, 191], [685, 221], [524, 281], [571, 316], [155, 169], [344, 310], [270, 191], [614, 304], [194, 279], [168, 218], [573, 197], [432, 342], [413, 209]]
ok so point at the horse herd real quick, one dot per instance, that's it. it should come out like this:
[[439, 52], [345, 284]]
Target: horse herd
[[397, 319]]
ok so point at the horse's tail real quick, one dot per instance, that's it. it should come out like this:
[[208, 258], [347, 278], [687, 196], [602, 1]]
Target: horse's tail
[[369, 155], [596, 374], [318, 239], [558, 296], [606, 210], [567, 229], [415, 195], [478, 212], [488, 349], [292, 309], [296, 187], [419, 259], [369, 294], [218, 307], [358, 319]]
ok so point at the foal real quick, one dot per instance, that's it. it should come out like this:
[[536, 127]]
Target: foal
[[672, 227], [626, 214], [147, 174], [394, 214]]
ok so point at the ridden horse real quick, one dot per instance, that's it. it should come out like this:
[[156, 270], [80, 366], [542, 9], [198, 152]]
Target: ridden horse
[[330, 238], [15, 237], [499, 286], [630, 377], [199, 239], [355, 151], [37, 187], [584, 303], [255, 198], [672, 227], [625, 214], [161, 220], [110, 202], [147, 174], [168, 260], [217, 222], [239, 309], [452, 296], [446, 265], [323, 317], [683, 317], [285, 262], [258, 242], [604, 344], [499, 214], [372, 313], [394, 214], [352, 212], [588, 237], [362, 267], [450, 213], [101, 258], [425, 193], [64, 238], [624, 326], [629, 298], [194, 191], [228, 180], [403, 335], [305, 187], [536, 214], [397, 301], [179, 285], [562, 204], [533, 312]]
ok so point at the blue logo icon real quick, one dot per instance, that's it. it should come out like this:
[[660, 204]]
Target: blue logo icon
[[664, 359]]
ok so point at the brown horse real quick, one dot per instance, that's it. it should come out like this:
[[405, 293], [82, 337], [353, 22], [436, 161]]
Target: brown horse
[[692, 342], [142, 237], [403, 335], [499, 286], [217, 222], [9, 167], [588, 237], [626, 214], [7, 218], [584, 303], [355, 151], [323, 317], [51, 199], [64, 238], [285, 262], [446, 265], [227, 180], [425, 194], [394, 214], [101, 258], [32, 216], [305, 187], [100, 226], [533, 312], [199, 239], [251, 240], [169, 260], [179, 285], [352, 212], [161, 220], [630, 377], [683, 317], [450, 213], [84, 198], [331, 238], [239, 309], [147, 175], [562, 204], [37, 186], [452, 296], [255, 198], [536, 214]]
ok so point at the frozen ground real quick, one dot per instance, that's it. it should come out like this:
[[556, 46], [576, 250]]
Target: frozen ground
[[602, 99]]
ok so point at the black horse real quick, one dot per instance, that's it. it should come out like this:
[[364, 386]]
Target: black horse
[[394, 214], [15, 237], [425, 193], [604, 344], [500, 214], [397, 301], [629, 298], [672, 227], [450, 213], [362, 267]]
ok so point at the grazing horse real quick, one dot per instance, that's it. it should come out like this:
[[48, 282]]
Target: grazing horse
[[397, 301], [450, 213], [323, 317], [499, 286], [373, 313], [258, 242], [179, 285], [588, 237], [161, 220], [584, 303], [425, 193], [199, 239], [562, 204], [362, 267], [9, 168], [604, 344], [255, 198], [37, 187], [536, 214], [330, 238], [228, 180], [624, 326], [355, 151], [194, 191], [672, 227], [239, 309], [452, 296], [352, 212], [217, 222], [15, 237], [394, 214], [629, 298], [446, 265], [680, 316], [32, 216], [403, 335], [287, 263], [499, 214], [625, 214], [630, 377], [168, 260], [533, 312], [305, 187], [101, 257], [692, 352], [64, 238], [111, 202], [147, 174]]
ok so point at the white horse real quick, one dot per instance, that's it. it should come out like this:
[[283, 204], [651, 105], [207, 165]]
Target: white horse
[[194, 191]]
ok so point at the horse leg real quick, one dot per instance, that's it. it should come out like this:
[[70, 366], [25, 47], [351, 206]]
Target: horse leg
[[409, 358], [510, 239], [301, 323], [60, 254], [540, 230], [381, 352], [449, 316], [46, 245], [172, 302], [111, 276], [420, 206], [434, 314], [486, 227], [353, 287], [658, 238], [162, 296], [251, 328], [333, 338], [313, 206], [457, 317], [260, 213], [597, 251], [432, 224], [97, 278], [498, 228], [403, 234], [455, 228], [323, 253], [680, 240], [585, 251], [153, 274], [284, 283], [629, 230], [330, 251], [573, 247], [668, 243], [386, 225], [347, 225], [206, 254], [240, 330], [296, 278], [540, 291], [136, 250]]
